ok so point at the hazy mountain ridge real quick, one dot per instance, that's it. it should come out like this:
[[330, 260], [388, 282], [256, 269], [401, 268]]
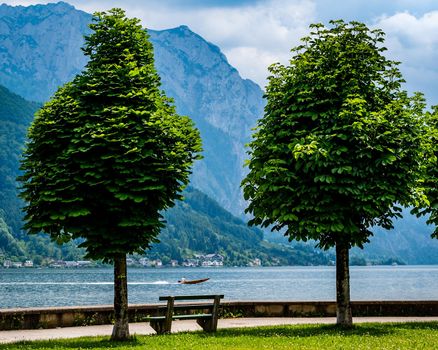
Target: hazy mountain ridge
[[410, 241], [39, 50]]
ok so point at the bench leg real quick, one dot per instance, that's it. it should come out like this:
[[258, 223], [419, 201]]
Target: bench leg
[[208, 325], [164, 326], [160, 326]]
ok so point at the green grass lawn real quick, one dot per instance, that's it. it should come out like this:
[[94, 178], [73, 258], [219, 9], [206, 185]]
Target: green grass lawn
[[362, 336]]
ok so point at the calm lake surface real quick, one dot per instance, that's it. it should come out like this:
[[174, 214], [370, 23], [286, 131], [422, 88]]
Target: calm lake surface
[[62, 287]]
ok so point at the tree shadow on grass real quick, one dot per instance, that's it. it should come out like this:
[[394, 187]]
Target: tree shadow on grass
[[77, 343]]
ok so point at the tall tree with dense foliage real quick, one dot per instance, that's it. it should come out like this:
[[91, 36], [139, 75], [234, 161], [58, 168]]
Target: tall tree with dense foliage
[[339, 149], [431, 171], [108, 153]]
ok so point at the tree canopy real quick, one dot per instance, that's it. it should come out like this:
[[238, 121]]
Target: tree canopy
[[431, 171], [108, 152], [339, 148]]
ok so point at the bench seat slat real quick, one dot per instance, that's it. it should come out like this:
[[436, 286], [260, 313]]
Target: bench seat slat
[[191, 317], [155, 318], [180, 317], [188, 306]]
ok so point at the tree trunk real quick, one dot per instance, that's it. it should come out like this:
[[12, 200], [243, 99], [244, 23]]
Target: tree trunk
[[121, 325], [343, 307]]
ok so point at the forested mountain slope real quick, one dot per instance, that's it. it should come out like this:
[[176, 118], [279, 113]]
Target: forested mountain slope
[[15, 116]]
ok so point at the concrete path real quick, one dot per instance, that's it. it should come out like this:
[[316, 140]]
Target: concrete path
[[184, 326]]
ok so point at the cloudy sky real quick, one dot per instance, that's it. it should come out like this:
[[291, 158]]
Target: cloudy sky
[[255, 33]]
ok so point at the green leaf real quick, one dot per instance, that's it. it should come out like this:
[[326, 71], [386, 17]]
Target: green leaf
[[79, 212]]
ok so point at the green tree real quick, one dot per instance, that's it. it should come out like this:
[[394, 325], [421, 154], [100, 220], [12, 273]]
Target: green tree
[[431, 171], [108, 153], [339, 149]]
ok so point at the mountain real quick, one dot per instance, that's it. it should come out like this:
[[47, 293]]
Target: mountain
[[15, 116], [199, 225], [40, 50], [409, 242], [224, 106], [196, 226]]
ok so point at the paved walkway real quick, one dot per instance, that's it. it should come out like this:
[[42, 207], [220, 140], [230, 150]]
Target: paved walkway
[[184, 326]]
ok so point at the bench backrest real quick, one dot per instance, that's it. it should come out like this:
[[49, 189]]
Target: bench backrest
[[191, 297]]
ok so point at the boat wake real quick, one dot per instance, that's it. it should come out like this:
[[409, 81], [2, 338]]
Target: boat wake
[[79, 283], [154, 282], [53, 283]]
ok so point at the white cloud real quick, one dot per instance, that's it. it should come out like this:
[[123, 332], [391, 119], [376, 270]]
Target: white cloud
[[15, 3], [254, 37], [253, 62], [416, 31], [413, 41], [25, 2], [251, 36], [255, 34]]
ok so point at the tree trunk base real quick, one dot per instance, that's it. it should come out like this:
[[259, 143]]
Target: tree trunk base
[[120, 332], [121, 325], [344, 317]]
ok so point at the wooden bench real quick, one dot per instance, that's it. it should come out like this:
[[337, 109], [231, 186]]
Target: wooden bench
[[207, 319]]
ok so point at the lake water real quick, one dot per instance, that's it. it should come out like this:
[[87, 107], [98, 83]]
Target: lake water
[[62, 287]]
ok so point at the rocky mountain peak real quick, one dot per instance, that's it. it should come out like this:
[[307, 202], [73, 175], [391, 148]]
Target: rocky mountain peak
[[193, 46], [40, 47], [37, 12], [224, 106], [197, 70]]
